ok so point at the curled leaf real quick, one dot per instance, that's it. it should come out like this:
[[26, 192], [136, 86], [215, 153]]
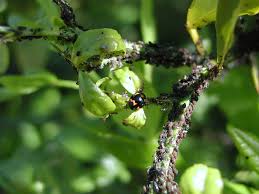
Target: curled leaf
[[137, 119], [128, 79], [94, 45], [93, 98]]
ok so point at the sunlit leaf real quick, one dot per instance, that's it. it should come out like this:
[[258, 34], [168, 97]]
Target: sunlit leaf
[[201, 179], [128, 79], [249, 7], [201, 13], [227, 14], [136, 119]]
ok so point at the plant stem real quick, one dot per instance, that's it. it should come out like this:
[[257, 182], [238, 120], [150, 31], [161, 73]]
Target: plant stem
[[66, 84], [160, 177], [8, 34]]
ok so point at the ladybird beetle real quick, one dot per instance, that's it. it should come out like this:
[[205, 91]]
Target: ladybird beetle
[[137, 101]]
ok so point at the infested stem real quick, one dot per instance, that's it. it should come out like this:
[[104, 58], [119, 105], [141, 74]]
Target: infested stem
[[67, 14], [8, 34], [161, 175]]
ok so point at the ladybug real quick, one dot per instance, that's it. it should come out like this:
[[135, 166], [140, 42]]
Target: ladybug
[[137, 101]]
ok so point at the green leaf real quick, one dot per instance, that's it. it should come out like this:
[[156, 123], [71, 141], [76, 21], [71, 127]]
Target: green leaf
[[93, 98], [128, 79], [227, 15], [201, 13], [4, 58], [249, 7], [247, 144], [137, 119], [201, 179], [94, 45], [235, 188]]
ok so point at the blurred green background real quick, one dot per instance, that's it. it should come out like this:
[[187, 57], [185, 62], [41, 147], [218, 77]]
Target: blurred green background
[[50, 145]]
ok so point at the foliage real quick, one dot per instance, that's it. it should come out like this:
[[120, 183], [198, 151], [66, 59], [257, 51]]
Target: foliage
[[51, 144]]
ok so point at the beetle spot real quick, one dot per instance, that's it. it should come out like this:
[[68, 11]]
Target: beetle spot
[[137, 101]]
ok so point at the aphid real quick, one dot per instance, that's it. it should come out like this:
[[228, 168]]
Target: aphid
[[137, 101]]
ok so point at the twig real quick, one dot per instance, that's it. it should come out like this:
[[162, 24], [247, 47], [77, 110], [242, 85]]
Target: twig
[[67, 14], [9, 34], [160, 177]]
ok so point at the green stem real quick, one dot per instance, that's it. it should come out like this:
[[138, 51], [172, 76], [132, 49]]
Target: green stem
[[66, 84], [8, 34]]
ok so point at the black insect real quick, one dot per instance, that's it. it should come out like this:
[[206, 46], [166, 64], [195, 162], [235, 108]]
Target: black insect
[[137, 101]]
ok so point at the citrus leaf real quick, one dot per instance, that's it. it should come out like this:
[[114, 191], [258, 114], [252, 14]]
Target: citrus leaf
[[94, 45], [249, 7], [128, 79], [93, 98], [227, 15], [247, 144], [201, 179], [201, 13]]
